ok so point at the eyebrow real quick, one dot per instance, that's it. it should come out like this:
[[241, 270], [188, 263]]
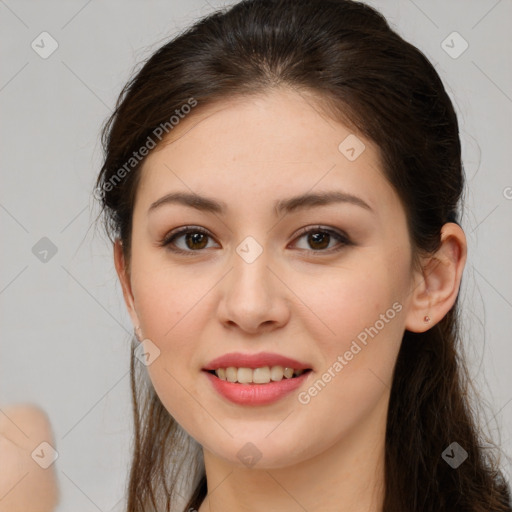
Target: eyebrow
[[303, 201]]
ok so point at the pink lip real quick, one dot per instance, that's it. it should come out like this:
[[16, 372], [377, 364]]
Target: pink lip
[[239, 360], [255, 394]]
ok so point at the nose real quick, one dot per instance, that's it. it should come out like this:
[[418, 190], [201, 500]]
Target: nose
[[253, 298]]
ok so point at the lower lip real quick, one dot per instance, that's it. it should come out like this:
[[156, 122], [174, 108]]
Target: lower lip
[[256, 394]]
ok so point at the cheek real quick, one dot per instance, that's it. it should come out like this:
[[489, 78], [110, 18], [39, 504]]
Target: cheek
[[358, 339], [165, 298], [355, 377], [171, 306], [351, 300]]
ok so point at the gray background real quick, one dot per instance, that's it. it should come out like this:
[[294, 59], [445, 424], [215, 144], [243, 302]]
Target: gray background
[[65, 331]]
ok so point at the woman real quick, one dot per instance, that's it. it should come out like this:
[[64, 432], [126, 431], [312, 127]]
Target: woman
[[281, 184]]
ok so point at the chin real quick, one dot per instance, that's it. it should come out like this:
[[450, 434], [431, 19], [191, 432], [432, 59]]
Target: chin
[[259, 451]]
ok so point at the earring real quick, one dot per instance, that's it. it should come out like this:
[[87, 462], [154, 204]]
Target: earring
[[426, 319]]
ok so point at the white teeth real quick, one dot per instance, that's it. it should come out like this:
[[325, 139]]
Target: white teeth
[[262, 375], [244, 375], [277, 373], [231, 374]]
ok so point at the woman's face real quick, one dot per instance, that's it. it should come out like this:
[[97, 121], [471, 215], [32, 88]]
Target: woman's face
[[325, 283]]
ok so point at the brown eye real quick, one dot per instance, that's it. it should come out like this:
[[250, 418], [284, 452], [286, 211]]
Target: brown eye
[[187, 240], [196, 240], [319, 239], [190, 240]]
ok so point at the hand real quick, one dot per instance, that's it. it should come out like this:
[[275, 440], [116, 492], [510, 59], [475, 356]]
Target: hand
[[24, 485]]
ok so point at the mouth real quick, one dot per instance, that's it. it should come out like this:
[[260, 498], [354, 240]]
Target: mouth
[[261, 375]]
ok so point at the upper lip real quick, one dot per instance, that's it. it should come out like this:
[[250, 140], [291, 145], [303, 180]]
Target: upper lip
[[240, 360]]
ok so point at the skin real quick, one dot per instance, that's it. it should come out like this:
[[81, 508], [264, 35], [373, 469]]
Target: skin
[[326, 455], [24, 485]]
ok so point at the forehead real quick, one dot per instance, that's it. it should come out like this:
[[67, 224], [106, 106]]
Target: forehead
[[280, 143], [270, 126]]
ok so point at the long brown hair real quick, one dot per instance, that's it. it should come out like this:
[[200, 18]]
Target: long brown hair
[[365, 75]]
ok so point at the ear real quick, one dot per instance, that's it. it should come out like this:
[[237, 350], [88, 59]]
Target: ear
[[124, 278], [437, 283]]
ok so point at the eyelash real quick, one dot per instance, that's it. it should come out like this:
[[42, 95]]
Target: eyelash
[[343, 240]]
